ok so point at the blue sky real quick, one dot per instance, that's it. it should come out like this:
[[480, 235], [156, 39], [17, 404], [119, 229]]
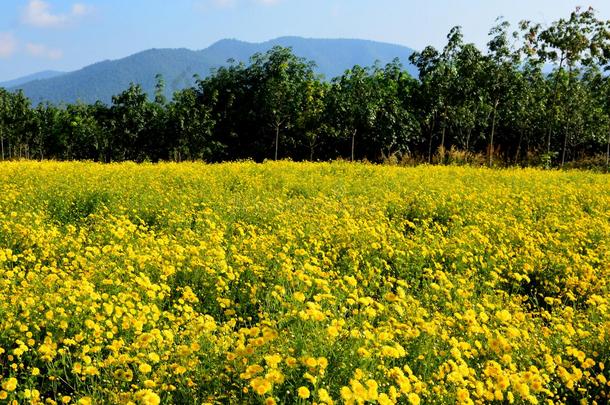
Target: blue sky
[[37, 35]]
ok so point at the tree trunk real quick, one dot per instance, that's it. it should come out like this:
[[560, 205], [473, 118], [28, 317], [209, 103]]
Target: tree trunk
[[565, 145], [2, 143], [430, 145], [443, 132], [432, 126], [550, 131], [519, 146], [443, 136], [353, 142], [567, 130], [277, 139], [442, 147], [493, 131]]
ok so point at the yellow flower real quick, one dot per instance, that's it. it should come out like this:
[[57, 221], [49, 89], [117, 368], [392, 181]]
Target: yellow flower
[[313, 380], [9, 384], [324, 396], [91, 370], [154, 357], [372, 387], [503, 316], [384, 399], [150, 384], [261, 385], [414, 398], [34, 394], [346, 394], [275, 376], [333, 331], [303, 392], [254, 369], [148, 397], [311, 362], [273, 361], [145, 368], [322, 362], [462, 394]]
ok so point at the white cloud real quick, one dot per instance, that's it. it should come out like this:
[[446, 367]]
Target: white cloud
[[38, 14], [42, 51], [8, 44], [79, 9]]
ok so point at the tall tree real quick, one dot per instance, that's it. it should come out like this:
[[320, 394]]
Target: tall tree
[[581, 40], [191, 125], [503, 64], [438, 73], [131, 117], [353, 105], [395, 124], [281, 81]]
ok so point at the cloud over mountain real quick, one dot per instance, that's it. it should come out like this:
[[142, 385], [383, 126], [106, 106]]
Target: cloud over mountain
[[8, 44], [38, 14]]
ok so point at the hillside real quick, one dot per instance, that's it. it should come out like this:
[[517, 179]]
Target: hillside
[[102, 80], [47, 74]]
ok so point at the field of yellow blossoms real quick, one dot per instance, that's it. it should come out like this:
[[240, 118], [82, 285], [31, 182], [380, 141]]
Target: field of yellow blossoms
[[302, 283]]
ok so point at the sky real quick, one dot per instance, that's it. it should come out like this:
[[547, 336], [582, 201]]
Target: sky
[[65, 35]]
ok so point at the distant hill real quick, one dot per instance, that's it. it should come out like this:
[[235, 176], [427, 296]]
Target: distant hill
[[47, 74], [102, 80]]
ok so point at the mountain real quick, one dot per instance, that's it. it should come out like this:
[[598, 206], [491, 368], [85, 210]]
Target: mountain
[[102, 80], [47, 74]]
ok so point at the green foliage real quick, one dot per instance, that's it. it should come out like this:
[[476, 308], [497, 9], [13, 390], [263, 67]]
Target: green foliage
[[75, 209], [502, 103], [101, 81]]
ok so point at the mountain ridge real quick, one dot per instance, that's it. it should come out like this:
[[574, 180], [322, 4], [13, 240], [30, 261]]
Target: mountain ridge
[[103, 79], [45, 74]]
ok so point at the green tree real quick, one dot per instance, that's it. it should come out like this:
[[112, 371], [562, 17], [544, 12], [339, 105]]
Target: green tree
[[131, 117], [191, 124], [502, 67], [310, 120], [438, 74], [395, 124], [579, 41], [353, 105], [281, 80]]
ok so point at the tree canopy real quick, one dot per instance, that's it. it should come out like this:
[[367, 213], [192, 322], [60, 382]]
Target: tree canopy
[[535, 94]]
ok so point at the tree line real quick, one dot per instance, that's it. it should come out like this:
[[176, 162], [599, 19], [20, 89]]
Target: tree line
[[538, 94]]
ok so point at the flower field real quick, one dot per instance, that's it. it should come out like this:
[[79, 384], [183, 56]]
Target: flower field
[[300, 283]]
